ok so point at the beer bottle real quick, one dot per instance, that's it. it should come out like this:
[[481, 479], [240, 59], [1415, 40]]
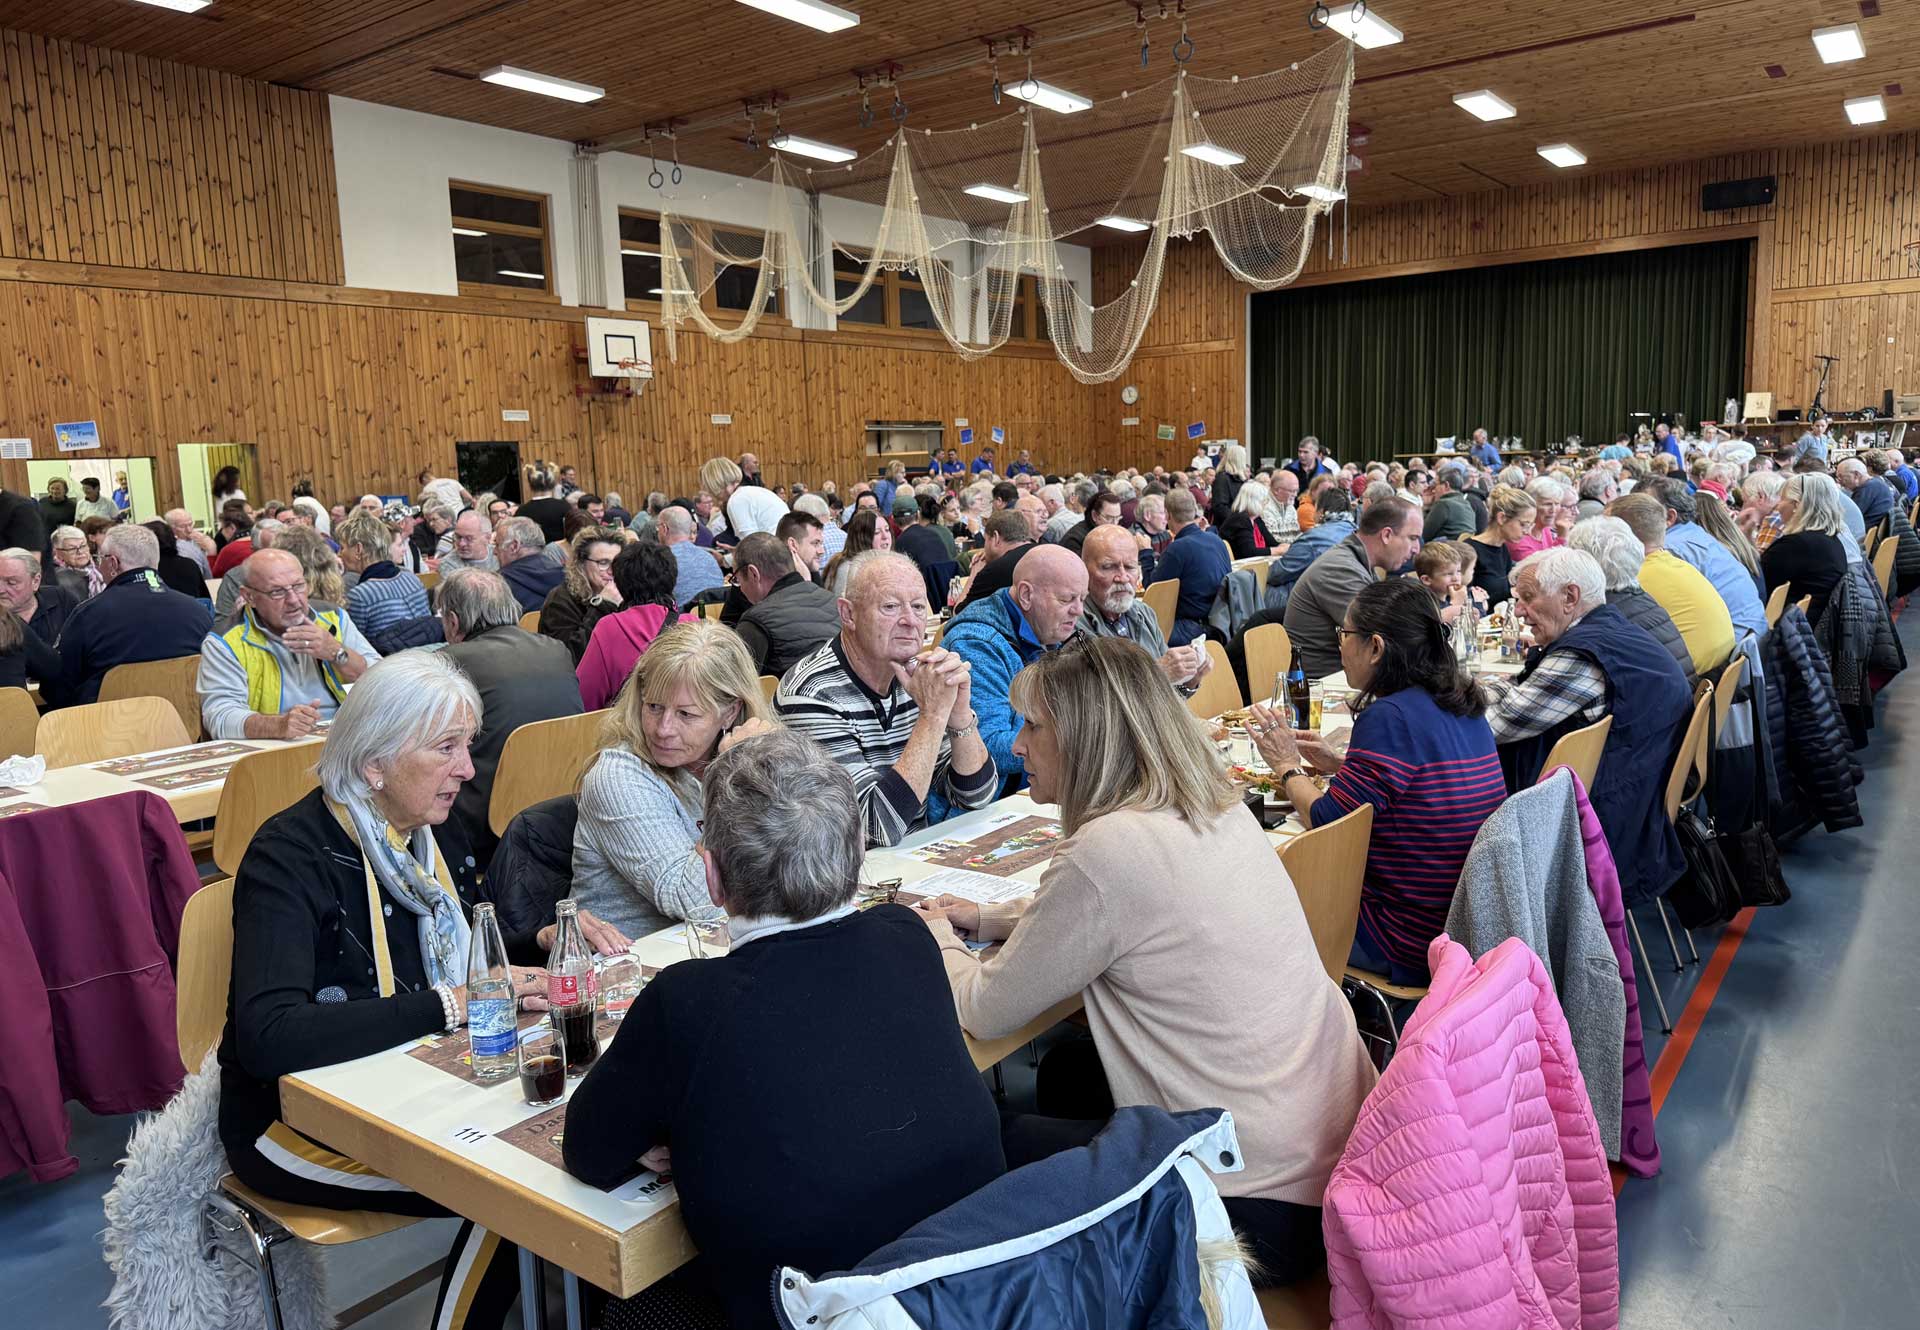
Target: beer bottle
[[1298, 696]]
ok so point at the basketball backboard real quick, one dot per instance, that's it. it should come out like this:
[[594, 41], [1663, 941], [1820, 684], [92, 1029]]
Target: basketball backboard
[[619, 349]]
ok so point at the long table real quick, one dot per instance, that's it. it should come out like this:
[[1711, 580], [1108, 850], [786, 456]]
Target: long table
[[62, 786]]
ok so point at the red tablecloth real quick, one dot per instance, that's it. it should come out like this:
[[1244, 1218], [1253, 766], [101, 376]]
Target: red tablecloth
[[90, 903]]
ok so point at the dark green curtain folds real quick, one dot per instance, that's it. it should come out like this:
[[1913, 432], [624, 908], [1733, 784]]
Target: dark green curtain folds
[[1541, 350]]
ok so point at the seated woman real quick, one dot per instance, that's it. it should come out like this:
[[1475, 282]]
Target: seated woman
[[73, 566], [1421, 753], [636, 859], [1510, 514], [643, 577], [865, 532], [839, 1017], [575, 606], [1620, 555], [350, 936], [1813, 548], [1244, 530], [386, 594], [1162, 865]]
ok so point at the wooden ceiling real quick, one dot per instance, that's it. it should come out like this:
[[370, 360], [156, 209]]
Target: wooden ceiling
[[1630, 82]]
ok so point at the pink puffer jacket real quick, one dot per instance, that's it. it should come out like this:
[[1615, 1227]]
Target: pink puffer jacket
[[1473, 1193]]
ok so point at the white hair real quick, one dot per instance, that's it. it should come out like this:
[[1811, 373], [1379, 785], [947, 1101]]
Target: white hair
[[134, 546], [814, 506], [27, 559], [1819, 500], [784, 827], [61, 533], [1252, 498], [398, 705], [1053, 494], [1121, 489], [1613, 546], [1763, 484], [1233, 459], [1561, 566]]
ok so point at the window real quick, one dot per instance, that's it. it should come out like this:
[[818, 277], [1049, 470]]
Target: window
[[724, 287], [640, 254], [733, 283], [848, 271], [499, 239]]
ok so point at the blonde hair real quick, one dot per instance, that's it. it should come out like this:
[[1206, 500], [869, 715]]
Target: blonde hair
[[367, 533], [1507, 502], [718, 475], [1125, 740], [325, 581], [710, 659], [1819, 500]]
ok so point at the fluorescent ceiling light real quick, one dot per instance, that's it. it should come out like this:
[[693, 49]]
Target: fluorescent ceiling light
[[1484, 104], [641, 253], [813, 13], [1214, 153], [1321, 192], [826, 152], [1866, 110], [996, 193], [1838, 44], [1562, 154], [181, 6], [1052, 98], [1124, 224], [515, 272], [1361, 26], [544, 84], [467, 231]]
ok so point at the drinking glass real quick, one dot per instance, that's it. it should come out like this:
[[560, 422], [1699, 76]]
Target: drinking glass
[[1316, 697], [884, 892], [702, 939], [620, 983], [543, 1063]]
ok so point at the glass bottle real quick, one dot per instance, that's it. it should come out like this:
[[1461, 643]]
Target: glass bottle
[[490, 1003]]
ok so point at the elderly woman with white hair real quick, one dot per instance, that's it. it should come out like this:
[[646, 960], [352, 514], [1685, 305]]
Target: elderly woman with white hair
[[1758, 514], [350, 935], [1556, 506], [1244, 530], [1814, 548], [1619, 553]]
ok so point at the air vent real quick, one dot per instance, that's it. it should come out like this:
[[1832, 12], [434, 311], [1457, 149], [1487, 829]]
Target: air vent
[[1869, 8], [1776, 71]]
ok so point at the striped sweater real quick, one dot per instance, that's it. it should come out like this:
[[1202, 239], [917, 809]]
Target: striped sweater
[[1432, 779], [384, 596]]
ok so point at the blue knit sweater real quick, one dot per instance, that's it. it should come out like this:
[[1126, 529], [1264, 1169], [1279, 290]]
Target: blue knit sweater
[[992, 636]]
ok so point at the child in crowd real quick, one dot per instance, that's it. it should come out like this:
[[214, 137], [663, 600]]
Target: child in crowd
[[1441, 568]]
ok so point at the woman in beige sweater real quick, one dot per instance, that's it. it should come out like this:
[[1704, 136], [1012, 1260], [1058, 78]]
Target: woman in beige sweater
[[1167, 907]]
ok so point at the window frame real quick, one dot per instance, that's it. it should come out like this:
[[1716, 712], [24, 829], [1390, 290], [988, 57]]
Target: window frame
[[705, 273], [543, 233]]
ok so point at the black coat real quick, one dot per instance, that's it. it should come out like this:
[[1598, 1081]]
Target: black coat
[[20, 524], [1813, 764], [532, 866]]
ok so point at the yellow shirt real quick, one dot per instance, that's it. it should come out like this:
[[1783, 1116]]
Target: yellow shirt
[[1695, 607]]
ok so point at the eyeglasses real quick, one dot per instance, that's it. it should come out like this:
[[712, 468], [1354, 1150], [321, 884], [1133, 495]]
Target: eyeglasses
[[599, 563], [279, 593]]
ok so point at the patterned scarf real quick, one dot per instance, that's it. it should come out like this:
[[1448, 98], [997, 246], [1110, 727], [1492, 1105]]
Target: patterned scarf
[[405, 869]]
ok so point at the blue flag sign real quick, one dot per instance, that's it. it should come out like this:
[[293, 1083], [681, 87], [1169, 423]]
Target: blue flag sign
[[999, 435], [1197, 429], [966, 437], [77, 436]]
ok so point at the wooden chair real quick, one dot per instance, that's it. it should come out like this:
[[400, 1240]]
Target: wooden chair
[[1219, 690], [1804, 604], [711, 609], [176, 680], [260, 785], [769, 685], [200, 1015], [100, 730], [1684, 780], [1260, 571], [1302, 1306], [429, 579], [1580, 750], [539, 761], [1871, 542], [19, 721], [1163, 598], [1777, 603], [940, 632], [1328, 865], [1883, 557], [1269, 652], [530, 621]]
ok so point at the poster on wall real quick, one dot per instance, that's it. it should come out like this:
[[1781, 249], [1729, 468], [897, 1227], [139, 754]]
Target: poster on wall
[[966, 438], [999, 435], [16, 450], [1164, 433], [1197, 429], [77, 436]]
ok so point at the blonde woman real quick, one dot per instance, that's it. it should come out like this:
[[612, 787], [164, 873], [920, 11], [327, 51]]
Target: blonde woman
[[693, 695], [1228, 483], [1812, 551], [1161, 864], [748, 508], [326, 581], [1510, 514]]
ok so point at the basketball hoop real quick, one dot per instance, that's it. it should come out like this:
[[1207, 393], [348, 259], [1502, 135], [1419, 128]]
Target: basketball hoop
[[632, 368]]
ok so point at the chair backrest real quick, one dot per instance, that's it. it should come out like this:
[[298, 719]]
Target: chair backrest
[[19, 721], [539, 761], [1163, 598], [769, 685], [100, 730], [1260, 571], [711, 609], [1580, 750], [204, 970], [429, 579], [260, 785], [1777, 603], [1219, 690], [1883, 563], [1804, 604], [176, 680], [1327, 866], [530, 621], [1724, 690], [1269, 652], [1686, 759], [1871, 541]]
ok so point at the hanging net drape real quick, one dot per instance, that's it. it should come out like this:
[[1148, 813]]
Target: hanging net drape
[[974, 219]]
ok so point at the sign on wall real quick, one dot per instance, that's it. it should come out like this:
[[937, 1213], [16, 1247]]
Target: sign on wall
[[77, 436], [1197, 429]]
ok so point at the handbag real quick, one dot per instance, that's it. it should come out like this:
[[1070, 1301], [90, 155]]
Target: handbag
[[1706, 893], [1754, 861]]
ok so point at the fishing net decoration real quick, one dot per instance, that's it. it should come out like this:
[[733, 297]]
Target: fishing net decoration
[[1253, 162]]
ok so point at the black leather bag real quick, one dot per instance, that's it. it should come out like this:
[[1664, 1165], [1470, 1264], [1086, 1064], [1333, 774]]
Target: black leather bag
[[1707, 893], [1755, 862]]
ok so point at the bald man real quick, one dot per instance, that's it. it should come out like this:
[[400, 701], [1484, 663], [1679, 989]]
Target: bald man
[[1000, 634], [285, 666], [1114, 607]]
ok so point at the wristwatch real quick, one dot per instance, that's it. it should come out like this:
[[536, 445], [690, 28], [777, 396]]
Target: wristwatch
[[962, 731], [339, 655], [1290, 773]]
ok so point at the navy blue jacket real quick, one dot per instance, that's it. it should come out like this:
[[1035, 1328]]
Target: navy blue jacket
[[532, 578], [1200, 562], [134, 618]]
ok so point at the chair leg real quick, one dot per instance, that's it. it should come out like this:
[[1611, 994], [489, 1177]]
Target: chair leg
[[1660, 908], [1646, 968], [1692, 950], [1389, 1044], [225, 1223]]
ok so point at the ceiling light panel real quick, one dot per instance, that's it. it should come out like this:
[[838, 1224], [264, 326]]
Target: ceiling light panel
[[801, 147], [996, 193], [1323, 193], [467, 231], [1360, 25], [814, 13], [1866, 110], [1213, 153], [1562, 154], [179, 6], [547, 85], [1484, 105], [1117, 223], [1839, 44], [1047, 96]]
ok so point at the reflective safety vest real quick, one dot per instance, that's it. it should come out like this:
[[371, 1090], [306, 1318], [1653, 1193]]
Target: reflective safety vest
[[247, 641]]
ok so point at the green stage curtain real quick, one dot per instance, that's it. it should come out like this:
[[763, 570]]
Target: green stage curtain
[[1539, 350]]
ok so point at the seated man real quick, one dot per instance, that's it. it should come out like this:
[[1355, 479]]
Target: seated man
[[1007, 536], [285, 666], [134, 618], [805, 537], [698, 570], [1589, 661], [1682, 590], [898, 716], [44, 609], [472, 545], [1873, 496], [520, 547], [1103, 509], [789, 1015], [1114, 607], [790, 616], [1449, 513], [1335, 523], [1384, 538], [999, 635], [1198, 560], [521, 677]]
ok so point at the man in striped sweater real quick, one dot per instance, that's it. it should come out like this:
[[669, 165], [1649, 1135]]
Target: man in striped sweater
[[900, 719]]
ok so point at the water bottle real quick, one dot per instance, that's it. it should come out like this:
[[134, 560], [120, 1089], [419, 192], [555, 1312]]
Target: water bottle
[[491, 1024]]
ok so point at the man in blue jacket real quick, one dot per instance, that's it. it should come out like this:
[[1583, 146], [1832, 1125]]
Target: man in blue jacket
[[521, 548], [1001, 634], [134, 618], [1198, 560]]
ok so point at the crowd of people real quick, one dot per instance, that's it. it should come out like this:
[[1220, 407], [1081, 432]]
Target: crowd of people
[[775, 704]]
